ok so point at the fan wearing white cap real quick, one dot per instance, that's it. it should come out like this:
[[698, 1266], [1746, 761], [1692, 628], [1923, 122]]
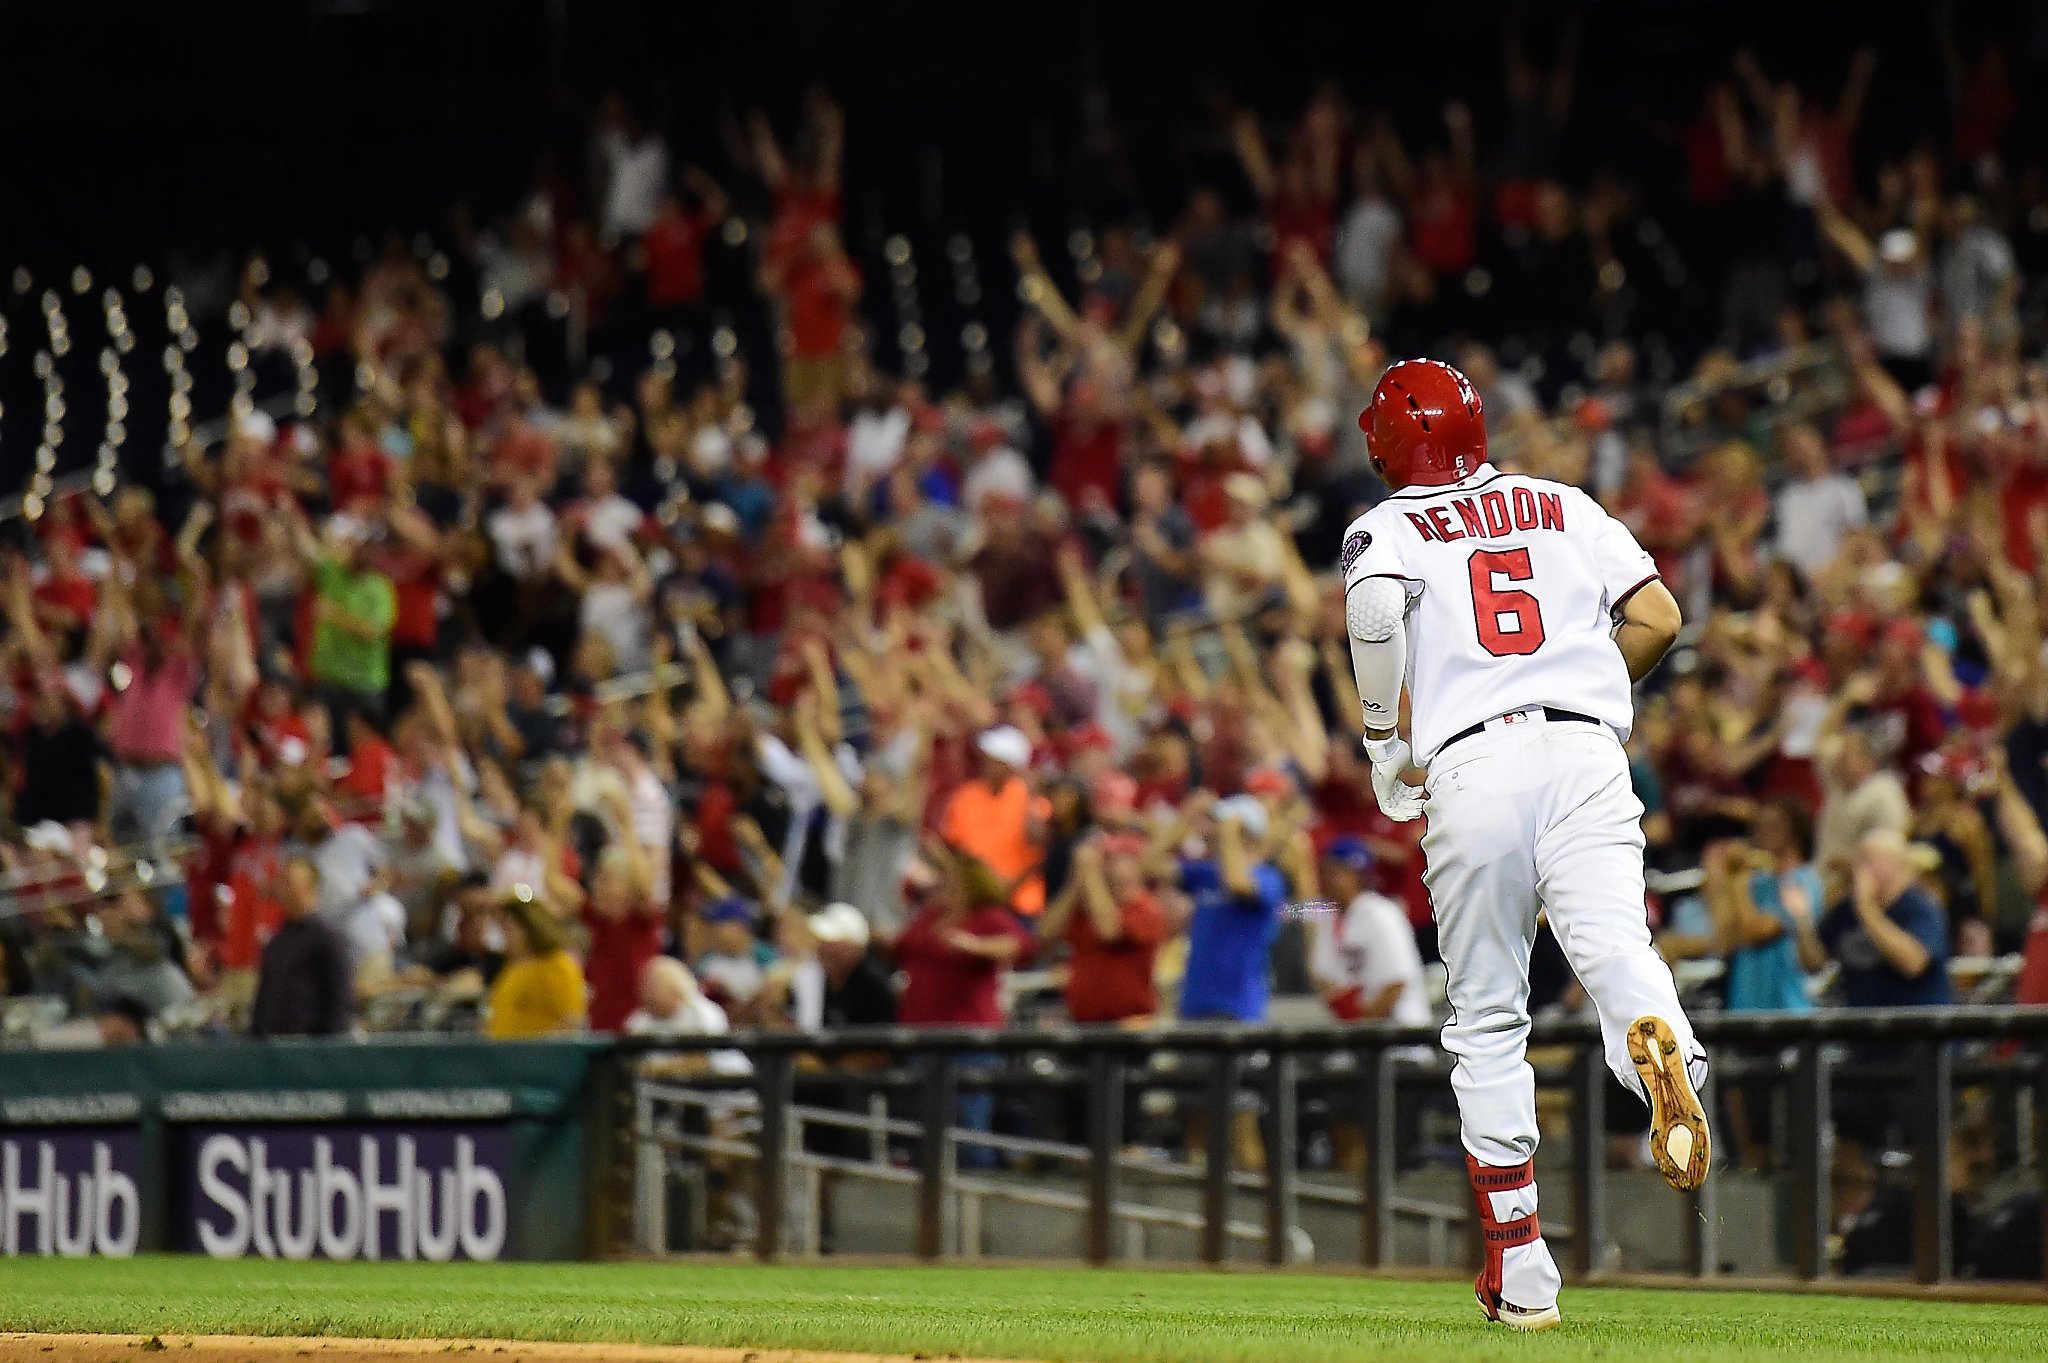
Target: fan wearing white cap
[[1898, 292], [1236, 896], [859, 991], [1000, 819]]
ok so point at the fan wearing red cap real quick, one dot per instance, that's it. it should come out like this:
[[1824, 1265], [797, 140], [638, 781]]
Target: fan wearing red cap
[[1516, 615]]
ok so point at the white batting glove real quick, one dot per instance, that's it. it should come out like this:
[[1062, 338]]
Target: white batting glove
[[1390, 757]]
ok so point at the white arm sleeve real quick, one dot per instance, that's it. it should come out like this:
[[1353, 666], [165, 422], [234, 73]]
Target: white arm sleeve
[[1374, 609]]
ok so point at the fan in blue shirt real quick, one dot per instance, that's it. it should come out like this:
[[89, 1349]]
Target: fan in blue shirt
[[1764, 900], [1890, 935], [1237, 901]]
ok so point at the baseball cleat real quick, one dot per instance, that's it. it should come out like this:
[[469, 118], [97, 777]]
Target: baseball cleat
[[1678, 1124], [1520, 1318]]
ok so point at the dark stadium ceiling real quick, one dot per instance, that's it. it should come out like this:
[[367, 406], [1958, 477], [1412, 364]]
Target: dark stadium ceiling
[[133, 128]]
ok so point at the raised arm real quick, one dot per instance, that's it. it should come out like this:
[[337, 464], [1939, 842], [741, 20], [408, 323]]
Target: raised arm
[[638, 867], [189, 534], [433, 703], [1738, 921], [1249, 143], [1392, 157], [768, 161], [824, 690], [1080, 590], [767, 867], [710, 697], [2021, 828], [1234, 859], [1059, 910], [830, 121], [21, 617], [1285, 311], [1845, 236], [1039, 377], [1165, 264], [1037, 289], [1096, 899], [710, 194], [1856, 89], [212, 799], [1901, 950], [568, 569], [1308, 742], [839, 796]]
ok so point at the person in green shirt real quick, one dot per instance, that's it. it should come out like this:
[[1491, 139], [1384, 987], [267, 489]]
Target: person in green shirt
[[354, 608]]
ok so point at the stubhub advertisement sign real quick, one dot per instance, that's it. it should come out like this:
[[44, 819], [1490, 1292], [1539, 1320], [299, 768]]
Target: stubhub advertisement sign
[[343, 1192], [69, 1190]]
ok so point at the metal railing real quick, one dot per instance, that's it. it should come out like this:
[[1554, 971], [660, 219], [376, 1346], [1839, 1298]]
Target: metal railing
[[1922, 1056], [101, 873], [665, 1143]]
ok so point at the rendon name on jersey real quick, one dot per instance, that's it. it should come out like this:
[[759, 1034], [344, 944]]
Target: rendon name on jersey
[[1514, 584]]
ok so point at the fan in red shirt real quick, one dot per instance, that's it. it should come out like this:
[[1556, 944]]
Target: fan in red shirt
[[2021, 469], [66, 597], [252, 855], [954, 952], [625, 926], [1300, 195], [818, 287], [674, 242], [1659, 511], [486, 393], [65, 518], [276, 733], [803, 265], [1113, 927], [1443, 203], [411, 558], [134, 533], [807, 194], [372, 761], [253, 490], [906, 582], [360, 474], [1087, 449], [1906, 712], [524, 452]]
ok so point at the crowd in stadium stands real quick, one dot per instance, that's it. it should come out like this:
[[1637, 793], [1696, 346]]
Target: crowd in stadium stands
[[684, 696]]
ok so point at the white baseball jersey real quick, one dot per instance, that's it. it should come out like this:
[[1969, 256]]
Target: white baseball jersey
[[1367, 945], [1513, 586]]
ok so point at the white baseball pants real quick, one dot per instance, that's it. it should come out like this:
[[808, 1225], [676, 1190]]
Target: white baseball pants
[[1529, 812]]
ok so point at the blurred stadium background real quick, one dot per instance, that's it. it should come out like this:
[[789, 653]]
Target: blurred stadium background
[[529, 522]]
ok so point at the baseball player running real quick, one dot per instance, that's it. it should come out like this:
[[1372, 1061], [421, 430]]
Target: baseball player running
[[1518, 614]]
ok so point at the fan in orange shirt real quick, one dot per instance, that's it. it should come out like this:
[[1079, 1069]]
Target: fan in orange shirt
[[997, 818]]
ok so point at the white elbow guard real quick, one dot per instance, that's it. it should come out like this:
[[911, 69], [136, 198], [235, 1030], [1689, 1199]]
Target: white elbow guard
[[1373, 607], [1374, 611]]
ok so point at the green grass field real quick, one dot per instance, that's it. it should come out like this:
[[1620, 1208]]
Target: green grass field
[[1072, 1315]]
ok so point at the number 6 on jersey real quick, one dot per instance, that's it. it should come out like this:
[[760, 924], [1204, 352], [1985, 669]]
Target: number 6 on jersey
[[1493, 608]]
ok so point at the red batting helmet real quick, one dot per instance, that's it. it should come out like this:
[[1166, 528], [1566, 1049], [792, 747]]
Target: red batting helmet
[[1424, 425]]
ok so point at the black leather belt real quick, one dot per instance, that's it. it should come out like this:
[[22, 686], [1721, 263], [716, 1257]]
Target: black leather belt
[[1550, 713]]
